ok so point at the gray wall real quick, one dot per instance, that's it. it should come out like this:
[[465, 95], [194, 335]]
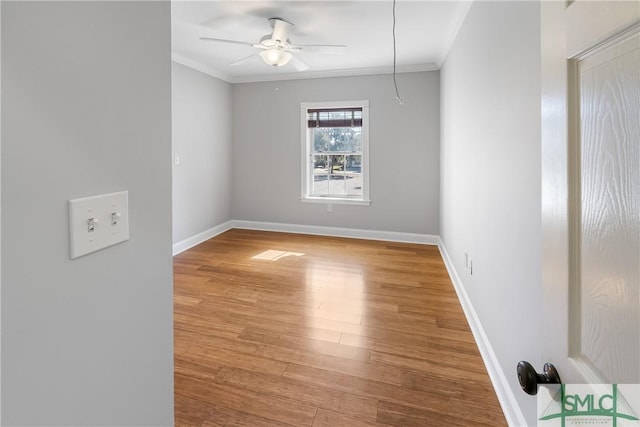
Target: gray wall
[[0, 214], [490, 194], [201, 127], [404, 152], [86, 109]]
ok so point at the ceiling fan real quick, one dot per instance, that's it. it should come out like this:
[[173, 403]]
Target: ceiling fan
[[276, 48]]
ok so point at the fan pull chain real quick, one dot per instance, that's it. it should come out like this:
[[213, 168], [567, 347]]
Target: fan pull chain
[[395, 83]]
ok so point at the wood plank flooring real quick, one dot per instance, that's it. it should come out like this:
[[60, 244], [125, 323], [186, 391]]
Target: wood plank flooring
[[326, 332]]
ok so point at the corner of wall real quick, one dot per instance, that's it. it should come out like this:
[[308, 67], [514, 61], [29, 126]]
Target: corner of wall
[[463, 9], [201, 237]]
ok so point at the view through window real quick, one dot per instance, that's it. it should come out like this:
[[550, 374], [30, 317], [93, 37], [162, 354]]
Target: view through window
[[335, 152]]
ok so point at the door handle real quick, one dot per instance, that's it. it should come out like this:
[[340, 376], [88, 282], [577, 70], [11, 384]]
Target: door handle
[[529, 378]]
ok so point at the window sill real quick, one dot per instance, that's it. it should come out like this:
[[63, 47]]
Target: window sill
[[335, 201]]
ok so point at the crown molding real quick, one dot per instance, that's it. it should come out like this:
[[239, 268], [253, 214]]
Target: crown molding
[[335, 73], [463, 10], [187, 62]]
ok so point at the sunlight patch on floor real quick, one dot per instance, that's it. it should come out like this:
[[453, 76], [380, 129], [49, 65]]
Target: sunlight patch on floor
[[274, 255], [336, 291]]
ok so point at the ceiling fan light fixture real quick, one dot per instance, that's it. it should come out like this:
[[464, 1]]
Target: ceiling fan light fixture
[[275, 57]]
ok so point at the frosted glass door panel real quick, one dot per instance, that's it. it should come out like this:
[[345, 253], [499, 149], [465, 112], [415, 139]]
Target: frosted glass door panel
[[610, 218]]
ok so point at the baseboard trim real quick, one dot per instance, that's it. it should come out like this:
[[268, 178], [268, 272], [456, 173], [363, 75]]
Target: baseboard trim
[[192, 241], [390, 236], [507, 399]]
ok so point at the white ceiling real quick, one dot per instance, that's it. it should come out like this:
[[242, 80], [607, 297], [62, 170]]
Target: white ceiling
[[424, 32]]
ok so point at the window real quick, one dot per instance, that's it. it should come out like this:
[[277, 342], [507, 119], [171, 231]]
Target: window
[[335, 145]]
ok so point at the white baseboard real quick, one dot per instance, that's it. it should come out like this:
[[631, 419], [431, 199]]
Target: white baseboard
[[391, 236], [192, 241], [507, 399]]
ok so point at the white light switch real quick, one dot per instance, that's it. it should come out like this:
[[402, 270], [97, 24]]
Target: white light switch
[[98, 222]]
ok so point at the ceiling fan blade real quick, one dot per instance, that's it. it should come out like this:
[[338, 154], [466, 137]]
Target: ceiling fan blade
[[211, 39], [281, 29], [329, 49], [339, 46], [297, 64], [243, 60], [324, 49]]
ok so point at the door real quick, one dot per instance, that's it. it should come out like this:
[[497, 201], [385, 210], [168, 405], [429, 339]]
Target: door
[[591, 189]]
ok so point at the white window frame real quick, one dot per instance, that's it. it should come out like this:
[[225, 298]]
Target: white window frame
[[307, 162]]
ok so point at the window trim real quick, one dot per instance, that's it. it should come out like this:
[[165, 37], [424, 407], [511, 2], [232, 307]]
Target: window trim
[[305, 164]]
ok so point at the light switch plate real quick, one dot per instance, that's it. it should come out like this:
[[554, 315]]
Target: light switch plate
[[98, 222]]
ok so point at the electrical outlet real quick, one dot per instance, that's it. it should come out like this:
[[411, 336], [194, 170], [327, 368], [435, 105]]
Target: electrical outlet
[[468, 263]]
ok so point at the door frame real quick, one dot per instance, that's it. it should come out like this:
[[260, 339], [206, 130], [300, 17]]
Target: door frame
[[566, 31]]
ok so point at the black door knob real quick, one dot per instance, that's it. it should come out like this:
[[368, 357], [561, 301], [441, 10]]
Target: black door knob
[[529, 378]]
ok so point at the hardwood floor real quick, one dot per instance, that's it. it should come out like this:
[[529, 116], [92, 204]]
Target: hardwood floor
[[327, 332]]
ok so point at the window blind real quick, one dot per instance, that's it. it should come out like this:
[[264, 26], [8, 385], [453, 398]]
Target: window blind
[[334, 117]]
